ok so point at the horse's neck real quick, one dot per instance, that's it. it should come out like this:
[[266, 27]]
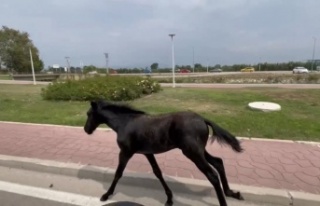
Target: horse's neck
[[118, 121]]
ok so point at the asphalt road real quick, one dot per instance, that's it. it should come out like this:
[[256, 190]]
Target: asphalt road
[[200, 74], [202, 85], [27, 188], [239, 86], [13, 199], [21, 82]]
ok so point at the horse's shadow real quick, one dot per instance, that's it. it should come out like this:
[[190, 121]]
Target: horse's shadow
[[136, 181]]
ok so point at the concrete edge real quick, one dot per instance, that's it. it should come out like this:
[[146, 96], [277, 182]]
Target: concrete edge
[[280, 140], [51, 125], [305, 199], [177, 184], [108, 129]]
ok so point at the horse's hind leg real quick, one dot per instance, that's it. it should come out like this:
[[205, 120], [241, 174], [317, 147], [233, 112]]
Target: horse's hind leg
[[156, 170], [199, 160], [217, 163], [123, 160]]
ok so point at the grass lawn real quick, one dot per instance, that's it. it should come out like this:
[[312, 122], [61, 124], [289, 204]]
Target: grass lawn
[[299, 118], [5, 77]]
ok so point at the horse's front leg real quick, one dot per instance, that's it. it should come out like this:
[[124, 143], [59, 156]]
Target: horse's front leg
[[124, 157]]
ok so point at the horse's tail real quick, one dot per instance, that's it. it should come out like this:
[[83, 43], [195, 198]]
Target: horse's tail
[[223, 136]]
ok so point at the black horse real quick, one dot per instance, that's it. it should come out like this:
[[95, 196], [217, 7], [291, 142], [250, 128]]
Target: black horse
[[139, 132]]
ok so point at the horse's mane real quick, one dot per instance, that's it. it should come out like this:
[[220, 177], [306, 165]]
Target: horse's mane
[[119, 108]]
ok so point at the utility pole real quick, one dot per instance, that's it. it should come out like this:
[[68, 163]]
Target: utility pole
[[173, 64]]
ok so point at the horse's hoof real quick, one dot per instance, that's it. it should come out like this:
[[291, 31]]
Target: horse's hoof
[[240, 197], [169, 203], [104, 197], [236, 195]]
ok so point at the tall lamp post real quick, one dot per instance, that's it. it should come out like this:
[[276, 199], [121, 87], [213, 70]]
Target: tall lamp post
[[107, 61], [193, 59], [32, 67], [314, 47], [68, 66], [173, 64]]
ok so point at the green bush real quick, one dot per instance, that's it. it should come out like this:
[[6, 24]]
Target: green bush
[[313, 78], [114, 88]]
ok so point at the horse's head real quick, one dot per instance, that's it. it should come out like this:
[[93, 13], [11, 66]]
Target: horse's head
[[94, 118], [114, 115]]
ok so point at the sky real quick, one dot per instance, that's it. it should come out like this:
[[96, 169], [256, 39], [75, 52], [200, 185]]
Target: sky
[[135, 32]]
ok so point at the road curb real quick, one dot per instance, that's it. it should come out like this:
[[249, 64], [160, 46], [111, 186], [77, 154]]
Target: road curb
[[52, 125], [280, 140], [108, 129], [177, 184]]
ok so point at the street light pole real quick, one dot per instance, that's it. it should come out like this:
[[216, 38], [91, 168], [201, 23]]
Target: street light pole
[[314, 47], [107, 61], [193, 59], [68, 67], [81, 67], [259, 64], [32, 68], [173, 64]]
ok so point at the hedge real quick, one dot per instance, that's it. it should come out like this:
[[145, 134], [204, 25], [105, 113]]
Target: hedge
[[113, 88]]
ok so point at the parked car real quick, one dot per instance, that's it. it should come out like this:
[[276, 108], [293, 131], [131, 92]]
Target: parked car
[[216, 70], [93, 72], [247, 69], [184, 71], [300, 70]]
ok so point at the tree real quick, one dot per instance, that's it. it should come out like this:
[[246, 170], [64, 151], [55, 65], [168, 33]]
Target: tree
[[154, 66], [197, 66], [14, 51], [217, 66], [90, 68]]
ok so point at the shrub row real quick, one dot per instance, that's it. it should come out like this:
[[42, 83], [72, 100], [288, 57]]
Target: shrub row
[[114, 88]]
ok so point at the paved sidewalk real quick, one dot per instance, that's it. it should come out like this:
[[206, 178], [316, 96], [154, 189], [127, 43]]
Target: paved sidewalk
[[279, 165]]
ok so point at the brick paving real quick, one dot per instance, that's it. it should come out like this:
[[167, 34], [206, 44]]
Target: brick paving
[[279, 165]]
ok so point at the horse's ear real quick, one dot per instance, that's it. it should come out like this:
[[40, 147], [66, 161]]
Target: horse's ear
[[94, 105]]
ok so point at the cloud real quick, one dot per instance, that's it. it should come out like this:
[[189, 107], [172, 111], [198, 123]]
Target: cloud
[[135, 32]]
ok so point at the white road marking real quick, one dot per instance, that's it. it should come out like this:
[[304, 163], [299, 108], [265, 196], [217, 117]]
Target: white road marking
[[53, 195]]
